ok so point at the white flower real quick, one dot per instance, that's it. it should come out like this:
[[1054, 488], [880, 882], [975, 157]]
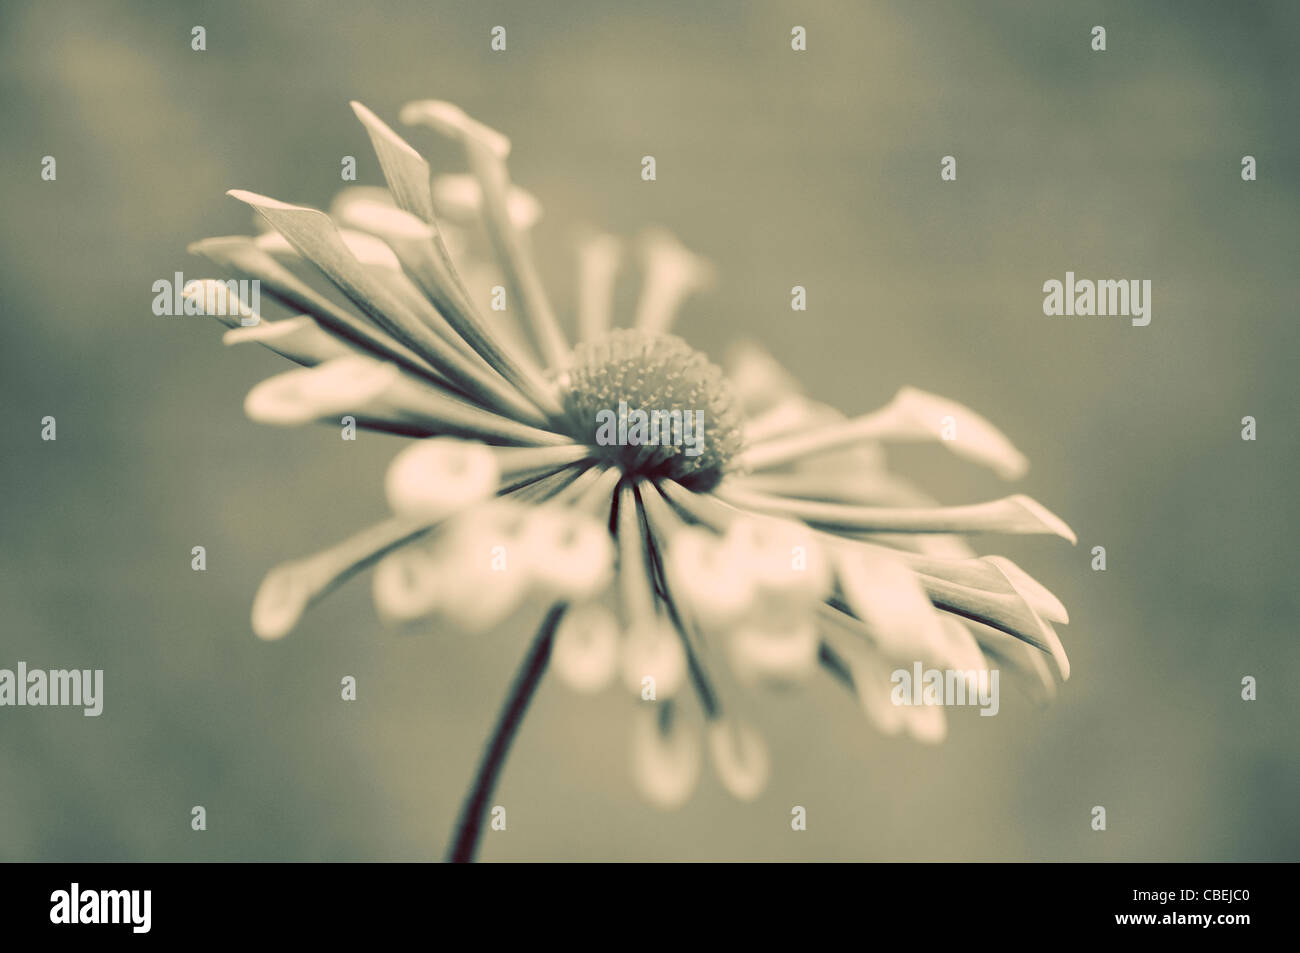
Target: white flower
[[781, 549]]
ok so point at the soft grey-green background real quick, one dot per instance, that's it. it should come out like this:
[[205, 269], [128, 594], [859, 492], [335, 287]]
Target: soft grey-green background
[[819, 168]]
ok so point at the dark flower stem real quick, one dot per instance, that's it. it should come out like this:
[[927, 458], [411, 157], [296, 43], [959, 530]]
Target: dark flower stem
[[469, 826]]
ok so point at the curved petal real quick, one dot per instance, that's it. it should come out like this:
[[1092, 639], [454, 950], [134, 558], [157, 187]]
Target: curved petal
[[458, 197], [890, 601], [291, 587], [912, 415], [1018, 515]]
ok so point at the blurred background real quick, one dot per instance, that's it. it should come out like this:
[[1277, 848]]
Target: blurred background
[[818, 168]]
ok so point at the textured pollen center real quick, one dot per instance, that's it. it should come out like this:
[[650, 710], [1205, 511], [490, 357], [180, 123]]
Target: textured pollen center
[[652, 405]]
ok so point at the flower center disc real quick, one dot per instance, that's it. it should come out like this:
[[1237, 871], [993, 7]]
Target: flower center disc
[[653, 406]]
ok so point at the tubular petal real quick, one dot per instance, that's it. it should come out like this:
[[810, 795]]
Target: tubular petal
[[1017, 514], [666, 755], [718, 587], [571, 553], [598, 260], [215, 299], [300, 339], [759, 380], [239, 253], [290, 588], [435, 477], [671, 274], [585, 655], [889, 600], [926, 723], [912, 415], [307, 394], [451, 121], [871, 679], [740, 758], [484, 572], [765, 651], [459, 198], [653, 650], [784, 556], [486, 150], [415, 245], [316, 237], [406, 585]]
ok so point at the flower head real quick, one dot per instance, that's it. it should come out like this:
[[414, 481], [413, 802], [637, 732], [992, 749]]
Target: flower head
[[773, 547]]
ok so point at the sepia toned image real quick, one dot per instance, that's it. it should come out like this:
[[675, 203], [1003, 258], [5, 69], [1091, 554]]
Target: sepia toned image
[[674, 432]]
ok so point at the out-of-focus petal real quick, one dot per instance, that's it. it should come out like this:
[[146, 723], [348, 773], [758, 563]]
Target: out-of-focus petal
[[307, 394], [585, 654], [666, 755], [774, 651], [281, 599], [740, 757], [486, 574], [926, 723], [598, 261], [450, 120], [758, 379], [958, 650], [351, 194], [889, 599], [871, 684], [784, 557], [439, 476], [571, 553], [406, 585], [671, 273], [459, 198], [654, 650], [718, 586]]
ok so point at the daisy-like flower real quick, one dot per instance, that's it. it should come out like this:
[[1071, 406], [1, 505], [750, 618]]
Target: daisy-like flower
[[776, 547]]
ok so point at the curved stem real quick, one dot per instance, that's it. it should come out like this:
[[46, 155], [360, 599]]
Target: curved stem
[[469, 826]]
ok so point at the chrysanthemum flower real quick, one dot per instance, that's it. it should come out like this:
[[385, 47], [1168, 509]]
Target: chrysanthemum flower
[[782, 548]]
